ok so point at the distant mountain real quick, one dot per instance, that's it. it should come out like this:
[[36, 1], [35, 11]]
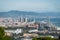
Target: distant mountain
[[15, 13]]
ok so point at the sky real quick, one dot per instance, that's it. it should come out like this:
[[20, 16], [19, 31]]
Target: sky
[[30, 5]]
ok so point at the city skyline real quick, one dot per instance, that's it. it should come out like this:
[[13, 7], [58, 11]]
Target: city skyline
[[30, 5]]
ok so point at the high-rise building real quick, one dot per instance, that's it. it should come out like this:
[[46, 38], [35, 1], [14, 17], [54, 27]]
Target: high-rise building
[[26, 20]]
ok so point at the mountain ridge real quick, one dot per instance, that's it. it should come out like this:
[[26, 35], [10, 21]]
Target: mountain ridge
[[19, 13]]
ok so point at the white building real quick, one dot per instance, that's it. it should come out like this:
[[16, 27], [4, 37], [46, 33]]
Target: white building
[[58, 28], [34, 30], [17, 31]]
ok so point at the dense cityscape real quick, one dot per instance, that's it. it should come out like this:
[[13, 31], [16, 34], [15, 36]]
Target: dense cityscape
[[24, 28]]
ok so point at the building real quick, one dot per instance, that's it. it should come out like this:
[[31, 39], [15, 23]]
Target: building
[[30, 35], [16, 31]]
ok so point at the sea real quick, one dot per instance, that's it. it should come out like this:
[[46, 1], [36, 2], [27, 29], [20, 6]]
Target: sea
[[54, 21]]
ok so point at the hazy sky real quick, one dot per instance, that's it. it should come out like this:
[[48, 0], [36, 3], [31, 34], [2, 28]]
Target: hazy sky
[[30, 5]]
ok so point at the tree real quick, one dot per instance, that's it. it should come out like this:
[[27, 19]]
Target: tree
[[44, 38], [3, 36], [2, 33]]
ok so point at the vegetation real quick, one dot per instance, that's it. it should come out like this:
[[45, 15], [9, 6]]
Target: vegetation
[[44, 38], [3, 36]]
